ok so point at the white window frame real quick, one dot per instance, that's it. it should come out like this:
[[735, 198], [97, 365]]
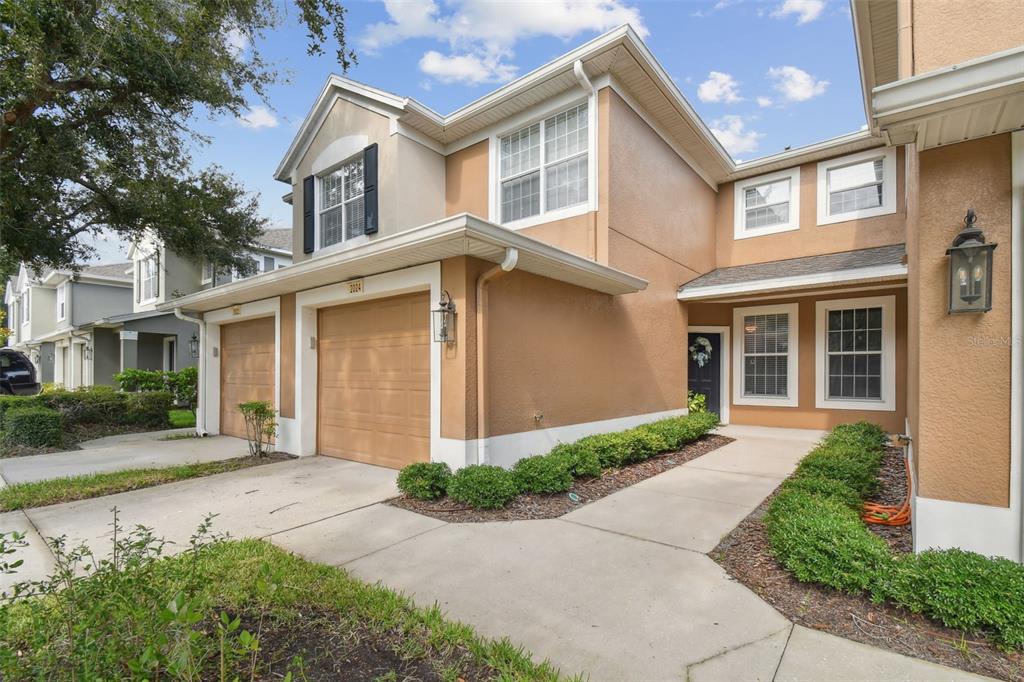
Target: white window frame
[[533, 115], [888, 401], [26, 307], [792, 398], [739, 213], [263, 264], [141, 265], [888, 207], [62, 302], [317, 211], [203, 278]]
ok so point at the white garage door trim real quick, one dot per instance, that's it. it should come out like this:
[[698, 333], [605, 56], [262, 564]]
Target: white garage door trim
[[301, 436], [214, 319]]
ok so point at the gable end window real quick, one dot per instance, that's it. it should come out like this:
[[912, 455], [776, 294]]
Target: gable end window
[[857, 186], [765, 348], [855, 354], [342, 213], [544, 166], [26, 306], [149, 278], [62, 302], [767, 204]]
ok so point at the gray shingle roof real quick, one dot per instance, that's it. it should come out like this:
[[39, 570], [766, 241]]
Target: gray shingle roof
[[796, 267], [280, 239], [116, 270]]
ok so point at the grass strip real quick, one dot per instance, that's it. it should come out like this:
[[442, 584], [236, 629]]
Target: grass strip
[[72, 488], [181, 419]]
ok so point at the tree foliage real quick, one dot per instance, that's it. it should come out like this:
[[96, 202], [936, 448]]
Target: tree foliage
[[98, 98]]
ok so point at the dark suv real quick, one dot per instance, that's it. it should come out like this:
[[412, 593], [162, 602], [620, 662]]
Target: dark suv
[[17, 374]]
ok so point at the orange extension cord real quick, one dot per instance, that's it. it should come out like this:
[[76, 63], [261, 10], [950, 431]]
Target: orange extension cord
[[887, 514]]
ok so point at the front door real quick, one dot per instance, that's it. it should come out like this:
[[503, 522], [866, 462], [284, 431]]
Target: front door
[[706, 379]]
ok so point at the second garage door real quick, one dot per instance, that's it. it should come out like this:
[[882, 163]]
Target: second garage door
[[374, 381], [246, 369]]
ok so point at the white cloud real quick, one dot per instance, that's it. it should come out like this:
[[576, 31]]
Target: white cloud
[[236, 42], [796, 85], [465, 68], [258, 117], [764, 102], [719, 87], [806, 10], [481, 34], [734, 135]]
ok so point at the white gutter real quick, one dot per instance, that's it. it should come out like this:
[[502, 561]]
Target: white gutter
[[200, 381], [581, 76], [507, 265], [874, 273]]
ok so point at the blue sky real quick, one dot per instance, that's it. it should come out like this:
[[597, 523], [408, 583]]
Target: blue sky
[[762, 75]]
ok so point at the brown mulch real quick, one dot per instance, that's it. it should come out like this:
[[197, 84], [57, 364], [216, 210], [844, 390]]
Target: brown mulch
[[320, 646], [746, 555], [530, 506]]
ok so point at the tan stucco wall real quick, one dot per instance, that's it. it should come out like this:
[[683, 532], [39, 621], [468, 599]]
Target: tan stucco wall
[[962, 439], [806, 415], [287, 351], [948, 32], [410, 177], [465, 188], [810, 239]]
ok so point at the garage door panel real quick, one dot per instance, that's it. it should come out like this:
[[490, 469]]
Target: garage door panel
[[247, 359], [374, 381]]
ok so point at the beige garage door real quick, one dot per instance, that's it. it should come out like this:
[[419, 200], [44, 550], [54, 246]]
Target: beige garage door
[[374, 381], [246, 369]]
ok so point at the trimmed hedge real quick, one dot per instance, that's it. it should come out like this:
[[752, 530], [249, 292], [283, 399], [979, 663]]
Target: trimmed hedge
[[150, 409], [815, 531], [555, 471], [424, 480], [95, 405], [35, 426]]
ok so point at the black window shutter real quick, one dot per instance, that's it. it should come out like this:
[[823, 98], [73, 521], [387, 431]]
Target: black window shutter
[[307, 215], [370, 189]]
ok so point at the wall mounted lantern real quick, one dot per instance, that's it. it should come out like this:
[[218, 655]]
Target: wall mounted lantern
[[87, 352], [193, 346], [444, 319], [970, 269]]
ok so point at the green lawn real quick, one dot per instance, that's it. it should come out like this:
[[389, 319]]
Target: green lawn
[[71, 488], [175, 619], [181, 419]]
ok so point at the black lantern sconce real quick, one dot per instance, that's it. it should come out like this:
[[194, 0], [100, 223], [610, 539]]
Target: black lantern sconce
[[970, 269], [444, 319], [193, 346]]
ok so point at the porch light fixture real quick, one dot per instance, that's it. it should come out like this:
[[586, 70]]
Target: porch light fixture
[[970, 269], [193, 346], [444, 319], [87, 352]]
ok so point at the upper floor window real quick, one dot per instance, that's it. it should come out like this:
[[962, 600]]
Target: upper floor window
[[767, 204], [857, 186], [766, 355], [269, 265], [342, 213], [26, 306], [207, 272], [62, 302], [544, 166], [148, 278]]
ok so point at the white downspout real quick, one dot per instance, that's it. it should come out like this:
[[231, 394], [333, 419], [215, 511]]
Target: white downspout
[[581, 76], [507, 265], [201, 380]]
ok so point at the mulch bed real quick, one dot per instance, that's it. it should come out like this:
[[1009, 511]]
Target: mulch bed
[[529, 506], [79, 433], [745, 554]]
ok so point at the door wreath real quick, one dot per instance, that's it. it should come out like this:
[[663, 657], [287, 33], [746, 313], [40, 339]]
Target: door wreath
[[700, 351]]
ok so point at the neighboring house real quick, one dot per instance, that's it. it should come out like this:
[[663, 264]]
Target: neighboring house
[[587, 229], [274, 251]]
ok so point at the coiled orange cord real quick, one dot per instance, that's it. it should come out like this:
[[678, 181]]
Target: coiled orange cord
[[887, 514]]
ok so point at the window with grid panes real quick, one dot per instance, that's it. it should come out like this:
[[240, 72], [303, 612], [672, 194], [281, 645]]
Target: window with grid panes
[[854, 353]]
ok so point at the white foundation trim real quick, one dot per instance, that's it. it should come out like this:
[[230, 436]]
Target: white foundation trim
[[506, 450], [724, 387], [303, 437], [941, 524], [268, 307]]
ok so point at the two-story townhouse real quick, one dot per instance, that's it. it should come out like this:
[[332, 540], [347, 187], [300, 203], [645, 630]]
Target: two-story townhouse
[[538, 265], [29, 317]]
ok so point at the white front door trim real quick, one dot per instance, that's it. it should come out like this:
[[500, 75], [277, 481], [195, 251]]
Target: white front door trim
[[724, 388]]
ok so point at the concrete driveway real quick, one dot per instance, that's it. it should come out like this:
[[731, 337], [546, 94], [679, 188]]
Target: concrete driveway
[[620, 589]]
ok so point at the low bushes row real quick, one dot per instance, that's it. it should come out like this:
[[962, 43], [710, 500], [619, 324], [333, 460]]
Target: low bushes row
[[815, 531], [182, 384], [492, 487], [41, 420]]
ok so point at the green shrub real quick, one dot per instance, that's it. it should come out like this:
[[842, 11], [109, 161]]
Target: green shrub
[[641, 444], [482, 486], [823, 541], [88, 405], [858, 435], [963, 590], [184, 384], [149, 409], [133, 379], [676, 432], [8, 402], [424, 480], [34, 426], [696, 402], [848, 464], [580, 461], [542, 474], [260, 425], [827, 488]]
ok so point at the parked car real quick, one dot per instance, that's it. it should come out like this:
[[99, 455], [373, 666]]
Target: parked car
[[17, 374]]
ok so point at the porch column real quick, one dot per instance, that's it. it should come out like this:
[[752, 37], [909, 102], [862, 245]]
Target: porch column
[[129, 350]]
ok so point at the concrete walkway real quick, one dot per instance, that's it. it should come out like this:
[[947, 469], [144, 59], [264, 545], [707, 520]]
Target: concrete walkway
[[620, 589], [129, 451]]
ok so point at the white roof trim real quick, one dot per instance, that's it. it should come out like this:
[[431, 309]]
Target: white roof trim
[[459, 235], [874, 273]]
